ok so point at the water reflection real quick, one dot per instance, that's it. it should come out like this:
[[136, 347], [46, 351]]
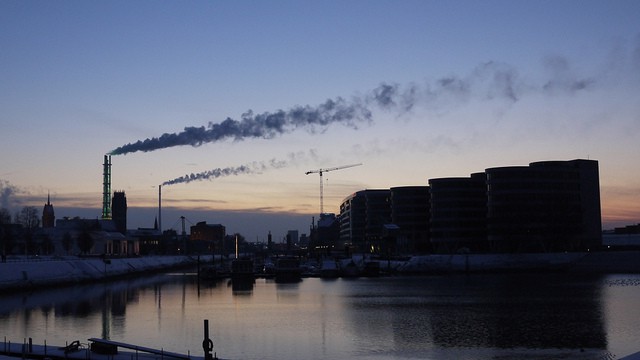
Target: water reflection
[[440, 316], [82, 303], [484, 311]]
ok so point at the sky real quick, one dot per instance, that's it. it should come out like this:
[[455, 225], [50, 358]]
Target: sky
[[230, 103]]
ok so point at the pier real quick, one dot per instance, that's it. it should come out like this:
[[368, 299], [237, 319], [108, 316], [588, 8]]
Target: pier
[[99, 349]]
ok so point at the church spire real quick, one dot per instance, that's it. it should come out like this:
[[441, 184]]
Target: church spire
[[48, 215]]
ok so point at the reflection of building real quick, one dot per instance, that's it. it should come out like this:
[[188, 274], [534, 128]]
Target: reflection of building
[[207, 238]]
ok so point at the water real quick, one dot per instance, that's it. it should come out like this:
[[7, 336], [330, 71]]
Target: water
[[516, 316]]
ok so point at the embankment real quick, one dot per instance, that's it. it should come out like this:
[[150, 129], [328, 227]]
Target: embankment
[[53, 272], [585, 262]]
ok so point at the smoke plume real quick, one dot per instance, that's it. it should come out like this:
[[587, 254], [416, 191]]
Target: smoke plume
[[252, 168], [7, 194], [265, 125], [487, 81]]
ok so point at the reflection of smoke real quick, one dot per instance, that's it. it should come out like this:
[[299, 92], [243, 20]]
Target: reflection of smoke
[[253, 168], [490, 80]]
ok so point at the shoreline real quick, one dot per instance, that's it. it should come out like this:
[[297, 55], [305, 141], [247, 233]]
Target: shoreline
[[51, 272], [42, 273]]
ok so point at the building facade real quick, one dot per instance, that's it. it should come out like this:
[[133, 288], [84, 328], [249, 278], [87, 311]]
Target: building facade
[[411, 211], [458, 214], [119, 211], [362, 219], [548, 206], [208, 238]]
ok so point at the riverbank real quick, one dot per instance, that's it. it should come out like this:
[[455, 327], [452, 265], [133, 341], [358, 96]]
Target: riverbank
[[42, 272], [38, 273], [605, 262]]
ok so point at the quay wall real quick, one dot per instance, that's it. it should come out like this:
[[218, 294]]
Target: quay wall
[[31, 274], [27, 274], [579, 262]]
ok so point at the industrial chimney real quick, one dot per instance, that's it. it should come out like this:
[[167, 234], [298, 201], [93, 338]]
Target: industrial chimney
[[106, 188]]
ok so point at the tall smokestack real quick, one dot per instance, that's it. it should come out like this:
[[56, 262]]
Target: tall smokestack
[[106, 188]]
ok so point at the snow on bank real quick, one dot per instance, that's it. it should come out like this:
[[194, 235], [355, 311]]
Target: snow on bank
[[26, 274], [488, 262]]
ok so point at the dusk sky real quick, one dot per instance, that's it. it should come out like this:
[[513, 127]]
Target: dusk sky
[[259, 92]]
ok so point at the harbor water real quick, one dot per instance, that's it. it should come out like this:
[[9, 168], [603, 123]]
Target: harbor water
[[480, 316]]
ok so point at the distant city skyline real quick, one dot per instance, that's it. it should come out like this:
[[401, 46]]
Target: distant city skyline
[[250, 96]]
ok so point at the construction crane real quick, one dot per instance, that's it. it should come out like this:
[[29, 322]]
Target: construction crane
[[320, 171]]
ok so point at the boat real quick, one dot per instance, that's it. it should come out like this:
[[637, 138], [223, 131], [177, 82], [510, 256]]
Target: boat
[[208, 273], [242, 269], [371, 269], [329, 269], [288, 269], [349, 270], [242, 274]]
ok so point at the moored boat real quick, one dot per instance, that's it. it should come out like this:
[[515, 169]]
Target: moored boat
[[288, 269]]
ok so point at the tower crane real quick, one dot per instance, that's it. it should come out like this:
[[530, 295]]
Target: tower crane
[[320, 171]]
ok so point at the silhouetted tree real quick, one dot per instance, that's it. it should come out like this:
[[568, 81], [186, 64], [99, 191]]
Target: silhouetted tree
[[85, 241], [28, 217], [47, 246], [5, 216], [5, 233], [67, 242]]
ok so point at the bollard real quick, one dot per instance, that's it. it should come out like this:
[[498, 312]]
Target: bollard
[[207, 344]]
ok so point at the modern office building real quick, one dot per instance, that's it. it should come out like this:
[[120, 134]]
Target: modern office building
[[352, 218], [362, 218], [548, 206], [459, 214], [410, 212]]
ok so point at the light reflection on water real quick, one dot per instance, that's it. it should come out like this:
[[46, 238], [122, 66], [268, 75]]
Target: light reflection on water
[[542, 316]]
